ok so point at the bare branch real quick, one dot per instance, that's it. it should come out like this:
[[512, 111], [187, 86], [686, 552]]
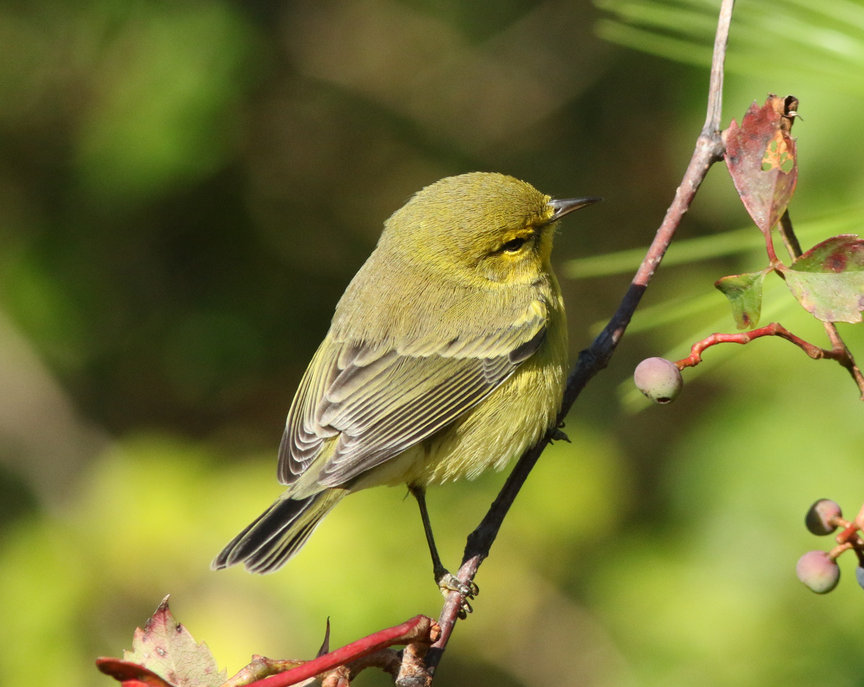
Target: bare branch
[[418, 630], [715, 92], [708, 150]]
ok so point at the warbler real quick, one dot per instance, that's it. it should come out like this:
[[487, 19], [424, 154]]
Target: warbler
[[447, 355]]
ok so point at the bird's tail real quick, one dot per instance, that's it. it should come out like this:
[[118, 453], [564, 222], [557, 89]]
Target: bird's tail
[[278, 533]]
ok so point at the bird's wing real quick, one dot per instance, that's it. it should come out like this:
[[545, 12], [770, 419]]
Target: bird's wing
[[369, 403]]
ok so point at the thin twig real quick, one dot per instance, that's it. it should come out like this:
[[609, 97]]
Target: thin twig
[[787, 233], [844, 356], [773, 329], [715, 92], [708, 150]]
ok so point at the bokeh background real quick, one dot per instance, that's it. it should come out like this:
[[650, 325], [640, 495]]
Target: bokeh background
[[186, 188]]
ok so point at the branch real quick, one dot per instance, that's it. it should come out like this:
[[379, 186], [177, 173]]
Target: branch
[[708, 150], [419, 630]]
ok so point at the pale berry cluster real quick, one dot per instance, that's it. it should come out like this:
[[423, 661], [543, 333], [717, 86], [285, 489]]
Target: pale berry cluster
[[818, 569]]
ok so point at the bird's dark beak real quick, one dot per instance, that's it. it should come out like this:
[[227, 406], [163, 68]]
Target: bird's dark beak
[[568, 205]]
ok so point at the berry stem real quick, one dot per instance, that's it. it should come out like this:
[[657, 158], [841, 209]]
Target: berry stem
[[850, 532], [837, 550], [773, 329]]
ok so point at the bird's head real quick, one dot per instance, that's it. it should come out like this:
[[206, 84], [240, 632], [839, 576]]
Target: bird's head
[[479, 227]]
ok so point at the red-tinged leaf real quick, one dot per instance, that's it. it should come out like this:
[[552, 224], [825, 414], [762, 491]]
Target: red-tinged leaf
[[843, 253], [828, 280], [164, 649], [744, 292], [130, 674], [760, 155]]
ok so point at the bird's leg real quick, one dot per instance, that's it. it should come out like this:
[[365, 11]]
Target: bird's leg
[[446, 582]]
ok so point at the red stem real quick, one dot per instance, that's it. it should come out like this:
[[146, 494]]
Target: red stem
[[773, 329], [419, 628]]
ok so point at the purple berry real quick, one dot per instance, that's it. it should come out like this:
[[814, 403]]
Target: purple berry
[[818, 571], [820, 519], [859, 575], [658, 379]]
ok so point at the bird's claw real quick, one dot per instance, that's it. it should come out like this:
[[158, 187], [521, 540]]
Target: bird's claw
[[464, 609], [449, 583], [559, 435]]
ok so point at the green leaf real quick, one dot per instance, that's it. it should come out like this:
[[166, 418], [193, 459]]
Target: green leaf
[[828, 280], [744, 292]]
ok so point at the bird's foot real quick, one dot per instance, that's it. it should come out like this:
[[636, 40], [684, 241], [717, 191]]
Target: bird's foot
[[559, 435], [449, 583]]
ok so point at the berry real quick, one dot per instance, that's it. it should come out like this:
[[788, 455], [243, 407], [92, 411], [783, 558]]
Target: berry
[[821, 518], [818, 571], [658, 379], [859, 575]]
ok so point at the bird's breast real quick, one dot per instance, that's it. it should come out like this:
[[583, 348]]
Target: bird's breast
[[507, 422]]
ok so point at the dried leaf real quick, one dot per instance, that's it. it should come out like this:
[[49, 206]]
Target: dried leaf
[[760, 155], [744, 292], [828, 280]]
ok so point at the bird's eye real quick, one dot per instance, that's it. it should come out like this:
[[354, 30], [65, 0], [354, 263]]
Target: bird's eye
[[513, 245]]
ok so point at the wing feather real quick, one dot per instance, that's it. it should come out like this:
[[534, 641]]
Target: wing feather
[[370, 402]]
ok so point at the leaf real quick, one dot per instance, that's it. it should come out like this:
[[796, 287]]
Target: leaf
[[760, 155], [844, 253], [130, 674], [165, 654], [828, 280], [744, 292]]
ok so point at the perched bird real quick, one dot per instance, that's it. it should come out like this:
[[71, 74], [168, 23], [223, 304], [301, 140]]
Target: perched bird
[[447, 355]]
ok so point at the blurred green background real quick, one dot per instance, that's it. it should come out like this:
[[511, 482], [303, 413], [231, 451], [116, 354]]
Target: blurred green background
[[186, 188]]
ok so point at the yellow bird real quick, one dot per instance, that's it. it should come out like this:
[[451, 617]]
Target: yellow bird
[[447, 355]]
